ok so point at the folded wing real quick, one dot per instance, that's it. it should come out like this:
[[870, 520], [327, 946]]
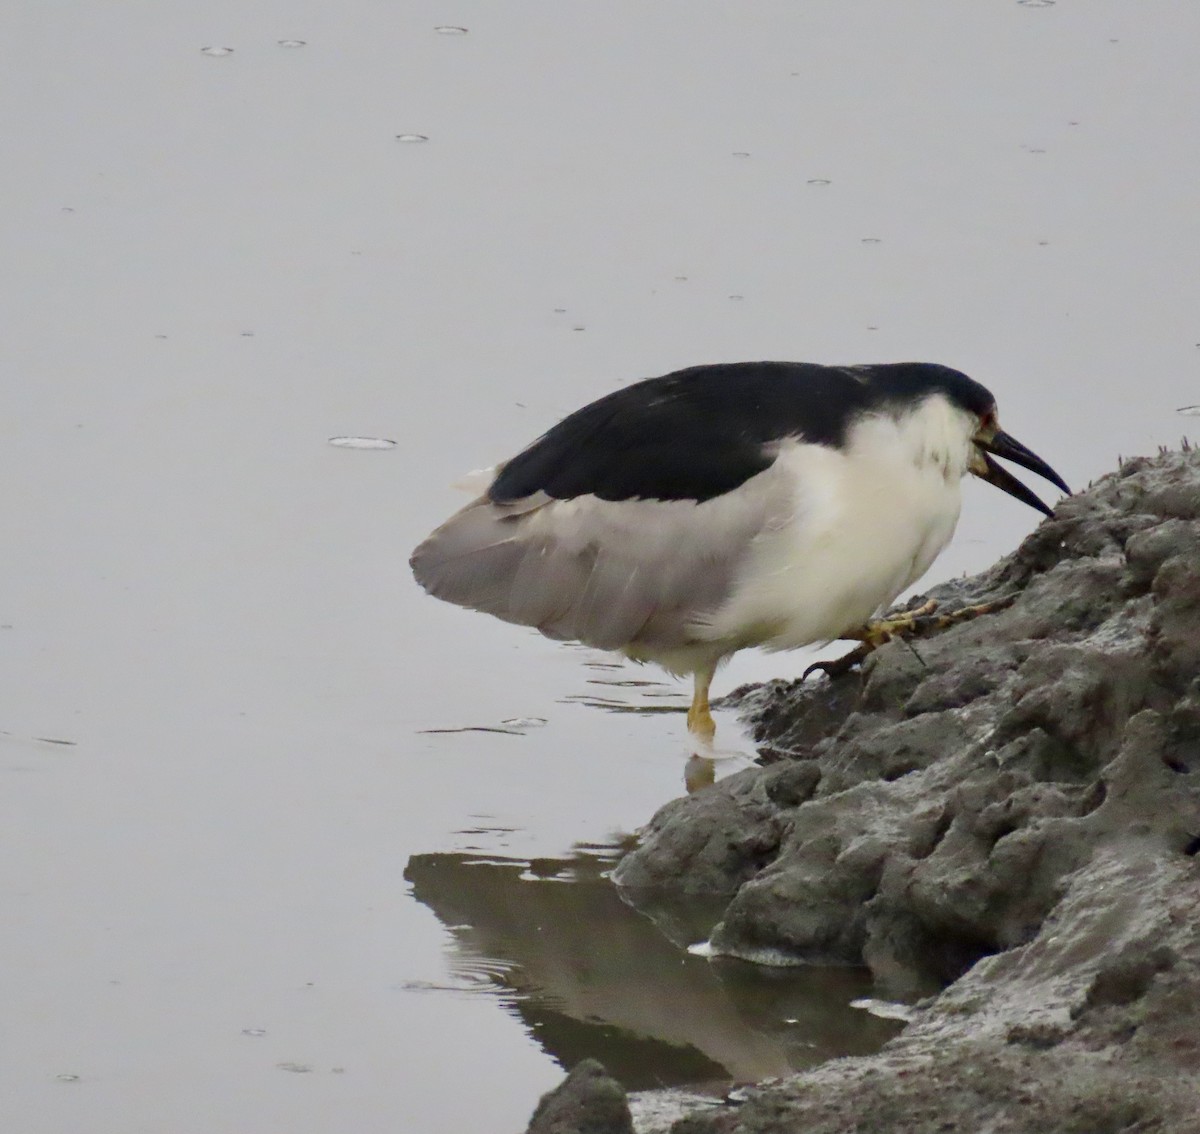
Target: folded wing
[[606, 573]]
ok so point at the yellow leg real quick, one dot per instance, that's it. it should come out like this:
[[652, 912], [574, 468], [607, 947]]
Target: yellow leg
[[700, 722]]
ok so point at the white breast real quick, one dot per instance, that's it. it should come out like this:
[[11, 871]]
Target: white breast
[[864, 522]]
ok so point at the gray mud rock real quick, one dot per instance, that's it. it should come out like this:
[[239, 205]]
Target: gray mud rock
[[588, 1101], [1015, 815]]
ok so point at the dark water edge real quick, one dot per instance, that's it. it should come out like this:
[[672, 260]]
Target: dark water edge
[[557, 945]]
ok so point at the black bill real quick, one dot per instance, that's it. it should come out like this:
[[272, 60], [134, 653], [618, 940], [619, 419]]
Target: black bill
[[1002, 445]]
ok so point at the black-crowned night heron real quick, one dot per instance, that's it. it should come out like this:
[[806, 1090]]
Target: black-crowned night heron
[[683, 518]]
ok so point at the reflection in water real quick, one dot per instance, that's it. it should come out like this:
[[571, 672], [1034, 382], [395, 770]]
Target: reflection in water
[[589, 975], [624, 694], [615, 705], [699, 772]]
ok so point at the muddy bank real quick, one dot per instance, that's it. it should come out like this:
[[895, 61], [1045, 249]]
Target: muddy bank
[[1004, 829]]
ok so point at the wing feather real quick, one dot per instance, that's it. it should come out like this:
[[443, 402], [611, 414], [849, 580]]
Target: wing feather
[[694, 434], [607, 573]]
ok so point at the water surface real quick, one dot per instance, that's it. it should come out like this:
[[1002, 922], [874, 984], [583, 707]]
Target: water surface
[[218, 686]]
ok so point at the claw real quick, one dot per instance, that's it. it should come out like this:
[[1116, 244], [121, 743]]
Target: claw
[[916, 623], [835, 667]]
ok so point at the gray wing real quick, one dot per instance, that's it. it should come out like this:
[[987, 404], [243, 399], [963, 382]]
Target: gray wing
[[606, 573]]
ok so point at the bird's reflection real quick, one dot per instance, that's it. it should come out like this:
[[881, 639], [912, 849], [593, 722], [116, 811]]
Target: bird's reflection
[[592, 975], [699, 772]]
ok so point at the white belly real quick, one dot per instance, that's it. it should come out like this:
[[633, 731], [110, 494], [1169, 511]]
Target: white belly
[[860, 527]]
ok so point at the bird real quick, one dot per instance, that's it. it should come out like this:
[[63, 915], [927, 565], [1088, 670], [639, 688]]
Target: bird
[[682, 518]]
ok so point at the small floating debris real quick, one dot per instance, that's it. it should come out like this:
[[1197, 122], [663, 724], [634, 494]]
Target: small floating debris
[[513, 726], [885, 1009], [362, 442], [741, 153], [411, 139], [254, 1032], [524, 722], [295, 1068], [450, 29], [1189, 411], [1036, 3], [818, 181], [66, 1077], [292, 43], [216, 51], [871, 240]]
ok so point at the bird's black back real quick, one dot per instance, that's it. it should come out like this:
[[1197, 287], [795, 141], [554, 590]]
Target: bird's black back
[[699, 433]]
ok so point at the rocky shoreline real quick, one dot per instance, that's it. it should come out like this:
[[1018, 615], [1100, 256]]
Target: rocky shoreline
[[1002, 824]]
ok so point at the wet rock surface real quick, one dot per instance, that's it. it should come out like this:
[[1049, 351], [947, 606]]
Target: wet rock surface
[[1006, 826], [587, 1102]]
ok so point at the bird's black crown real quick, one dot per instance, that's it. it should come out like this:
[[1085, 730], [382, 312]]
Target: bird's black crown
[[908, 381]]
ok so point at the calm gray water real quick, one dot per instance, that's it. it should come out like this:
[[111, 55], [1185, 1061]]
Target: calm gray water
[[243, 887]]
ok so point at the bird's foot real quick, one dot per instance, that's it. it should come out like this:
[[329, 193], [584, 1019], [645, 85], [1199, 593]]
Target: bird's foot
[[907, 625], [835, 667], [918, 623]]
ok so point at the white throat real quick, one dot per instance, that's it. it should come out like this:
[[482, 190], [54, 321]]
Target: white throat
[[933, 434]]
